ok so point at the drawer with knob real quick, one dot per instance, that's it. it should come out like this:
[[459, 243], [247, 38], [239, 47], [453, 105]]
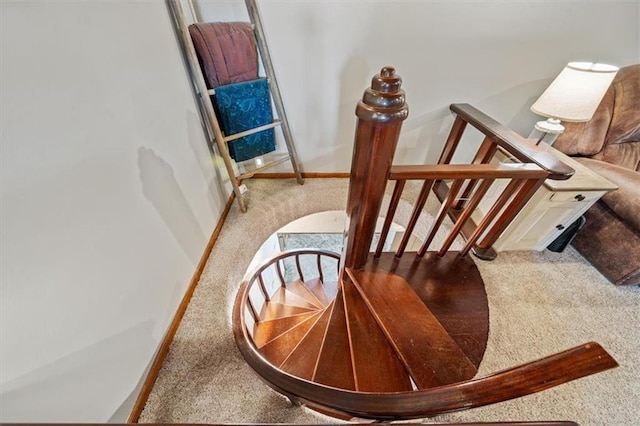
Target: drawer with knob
[[575, 196]]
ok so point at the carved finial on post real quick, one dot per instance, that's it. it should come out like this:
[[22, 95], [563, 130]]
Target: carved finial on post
[[380, 115]]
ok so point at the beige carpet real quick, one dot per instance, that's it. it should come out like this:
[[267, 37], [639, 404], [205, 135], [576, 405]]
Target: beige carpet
[[540, 303]]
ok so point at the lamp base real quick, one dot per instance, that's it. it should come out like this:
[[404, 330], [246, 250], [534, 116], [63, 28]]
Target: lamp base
[[546, 131]]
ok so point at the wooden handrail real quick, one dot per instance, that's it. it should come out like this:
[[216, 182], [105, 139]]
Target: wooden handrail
[[513, 143], [254, 306], [467, 171], [291, 253]]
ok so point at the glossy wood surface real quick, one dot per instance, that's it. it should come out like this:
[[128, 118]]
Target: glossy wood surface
[[466, 171], [273, 310], [451, 288], [286, 296], [445, 207], [303, 359], [278, 349], [320, 290], [393, 205], [266, 331], [529, 378], [380, 115], [306, 293], [376, 367], [415, 215], [334, 364], [426, 349], [483, 156], [363, 342], [512, 142], [469, 228], [453, 140]]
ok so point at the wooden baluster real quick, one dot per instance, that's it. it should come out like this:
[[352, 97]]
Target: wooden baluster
[[485, 153], [466, 214], [393, 205], [380, 115], [263, 288], [415, 215], [512, 188], [252, 309], [320, 275], [299, 268], [451, 197], [452, 141], [525, 192], [283, 283]]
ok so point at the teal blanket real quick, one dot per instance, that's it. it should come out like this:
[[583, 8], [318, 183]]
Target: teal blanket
[[244, 106]]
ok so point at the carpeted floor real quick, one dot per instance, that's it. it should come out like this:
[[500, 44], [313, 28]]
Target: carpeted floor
[[540, 303]]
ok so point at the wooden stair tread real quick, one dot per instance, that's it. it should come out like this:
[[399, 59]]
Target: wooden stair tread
[[278, 349], [376, 366], [331, 289], [273, 310], [334, 363], [316, 287], [303, 359], [287, 297], [265, 331], [425, 347], [452, 289], [299, 288]]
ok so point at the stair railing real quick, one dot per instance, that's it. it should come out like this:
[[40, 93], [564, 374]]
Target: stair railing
[[460, 187], [523, 178], [259, 289], [515, 195]]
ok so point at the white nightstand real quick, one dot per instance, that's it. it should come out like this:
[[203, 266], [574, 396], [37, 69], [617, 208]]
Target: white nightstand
[[556, 205]]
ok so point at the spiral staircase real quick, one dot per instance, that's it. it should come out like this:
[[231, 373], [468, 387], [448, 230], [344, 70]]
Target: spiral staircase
[[400, 335]]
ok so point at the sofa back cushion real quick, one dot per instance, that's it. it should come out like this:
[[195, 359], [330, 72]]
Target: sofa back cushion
[[622, 143], [624, 201], [613, 134], [625, 154]]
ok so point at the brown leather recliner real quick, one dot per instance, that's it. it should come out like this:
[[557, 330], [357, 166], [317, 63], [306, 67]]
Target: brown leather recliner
[[609, 144]]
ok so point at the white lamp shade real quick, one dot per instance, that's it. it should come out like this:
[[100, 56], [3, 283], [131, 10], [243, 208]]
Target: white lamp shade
[[576, 92]]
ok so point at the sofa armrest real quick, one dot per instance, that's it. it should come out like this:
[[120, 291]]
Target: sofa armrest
[[625, 201]]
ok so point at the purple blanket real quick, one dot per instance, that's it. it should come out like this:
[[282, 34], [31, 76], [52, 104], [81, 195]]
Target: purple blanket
[[227, 52]]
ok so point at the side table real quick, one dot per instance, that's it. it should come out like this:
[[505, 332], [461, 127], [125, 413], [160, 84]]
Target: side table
[[555, 206]]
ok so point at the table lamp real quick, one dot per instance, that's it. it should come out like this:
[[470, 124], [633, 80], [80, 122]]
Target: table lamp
[[572, 97]]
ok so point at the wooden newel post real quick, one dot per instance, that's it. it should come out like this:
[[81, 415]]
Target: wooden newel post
[[380, 115]]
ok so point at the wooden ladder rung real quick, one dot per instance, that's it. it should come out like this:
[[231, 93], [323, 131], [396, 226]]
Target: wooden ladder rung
[[213, 91], [274, 163], [235, 136]]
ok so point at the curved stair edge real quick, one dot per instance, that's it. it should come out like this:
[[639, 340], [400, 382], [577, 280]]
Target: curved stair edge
[[532, 377]]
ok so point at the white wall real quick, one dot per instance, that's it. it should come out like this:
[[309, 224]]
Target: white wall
[[497, 55], [108, 200], [108, 194]]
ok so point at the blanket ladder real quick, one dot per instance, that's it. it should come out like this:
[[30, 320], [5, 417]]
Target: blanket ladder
[[205, 104]]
